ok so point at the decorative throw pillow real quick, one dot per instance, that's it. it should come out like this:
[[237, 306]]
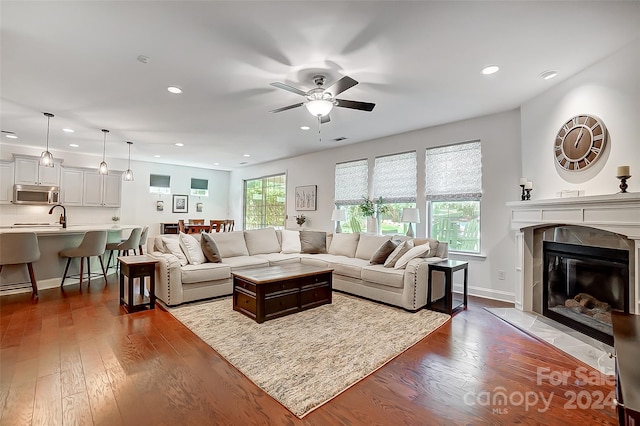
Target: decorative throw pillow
[[231, 244], [383, 252], [210, 248], [173, 246], [261, 241], [313, 242], [418, 251], [191, 248], [290, 241], [396, 254], [344, 244]]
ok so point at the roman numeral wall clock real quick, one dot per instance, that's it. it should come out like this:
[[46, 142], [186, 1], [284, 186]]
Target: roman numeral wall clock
[[580, 142]]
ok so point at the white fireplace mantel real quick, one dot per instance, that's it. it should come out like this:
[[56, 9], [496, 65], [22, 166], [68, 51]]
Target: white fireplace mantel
[[618, 213]]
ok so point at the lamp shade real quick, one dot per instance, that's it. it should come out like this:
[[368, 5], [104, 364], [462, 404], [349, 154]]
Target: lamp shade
[[411, 215], [339, 215], [319, 107]]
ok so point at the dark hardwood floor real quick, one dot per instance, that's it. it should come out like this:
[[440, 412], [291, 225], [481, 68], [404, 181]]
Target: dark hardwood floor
[[75, 357]]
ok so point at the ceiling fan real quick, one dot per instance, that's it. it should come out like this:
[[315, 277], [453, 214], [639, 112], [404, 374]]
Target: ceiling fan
[[320, 101]]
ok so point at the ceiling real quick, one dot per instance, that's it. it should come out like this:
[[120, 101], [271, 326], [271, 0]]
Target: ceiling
[[419, 62]]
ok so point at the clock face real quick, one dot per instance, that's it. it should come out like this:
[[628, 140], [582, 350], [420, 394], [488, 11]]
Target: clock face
[[580, 142]]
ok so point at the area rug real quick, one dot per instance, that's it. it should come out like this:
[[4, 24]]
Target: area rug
[[305, 359]]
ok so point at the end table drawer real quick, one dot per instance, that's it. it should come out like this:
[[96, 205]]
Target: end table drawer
[[246, 303]]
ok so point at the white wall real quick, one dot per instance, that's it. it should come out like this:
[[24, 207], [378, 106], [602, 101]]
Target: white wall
[[138, 205], [610, 89], [499, 134]]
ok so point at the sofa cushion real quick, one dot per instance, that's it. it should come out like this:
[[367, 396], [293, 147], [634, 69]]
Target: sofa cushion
[[290, 241], [368, 244], [230, 244], [321, 260], [418, 251], [191, 248], [348, 266], [210, 248], [159, 245], [396, 254], [205, 272], [344, 244], [280, 258], [433, 245], [172, 245], [383, 252], [244, 262], [261, 241], [386, 276], [313, 242]]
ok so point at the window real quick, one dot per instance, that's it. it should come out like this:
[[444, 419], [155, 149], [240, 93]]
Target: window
[[352, 183], [453, 191], [264, 202], [200, 187], [394, 179], [159, 184]]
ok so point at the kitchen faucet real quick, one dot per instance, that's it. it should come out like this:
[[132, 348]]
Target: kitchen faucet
[[64, 214]]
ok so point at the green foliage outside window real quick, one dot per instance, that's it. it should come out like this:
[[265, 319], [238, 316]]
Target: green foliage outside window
[[264, 202], [456, 222]]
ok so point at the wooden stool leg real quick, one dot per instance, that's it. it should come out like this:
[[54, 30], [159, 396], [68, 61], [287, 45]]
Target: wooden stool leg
[[81, 270], [65, 272], [104, 274], [32, 276]]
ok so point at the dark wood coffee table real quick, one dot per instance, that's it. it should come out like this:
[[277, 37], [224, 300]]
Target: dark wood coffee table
[[275, 291]]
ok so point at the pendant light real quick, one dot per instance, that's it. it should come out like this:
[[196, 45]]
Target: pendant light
[[103, 169], [128, 174], [46, 158]]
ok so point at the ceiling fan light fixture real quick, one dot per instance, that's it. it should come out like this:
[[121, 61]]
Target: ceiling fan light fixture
[[319, 107]]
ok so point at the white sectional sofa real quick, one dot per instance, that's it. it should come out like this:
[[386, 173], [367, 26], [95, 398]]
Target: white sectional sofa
[[183, 276]]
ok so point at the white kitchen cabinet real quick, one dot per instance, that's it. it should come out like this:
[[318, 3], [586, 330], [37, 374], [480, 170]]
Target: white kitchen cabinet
[[6, 182], [28, 171], [72, 186], [102, 191]]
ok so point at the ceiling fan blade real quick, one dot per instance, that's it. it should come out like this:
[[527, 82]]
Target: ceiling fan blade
[[325, 119], [364, 106], [341, 85], [287, 107], [288, 88]]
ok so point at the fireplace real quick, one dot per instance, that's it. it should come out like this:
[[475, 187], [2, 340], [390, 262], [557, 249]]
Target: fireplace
[[583, 284]]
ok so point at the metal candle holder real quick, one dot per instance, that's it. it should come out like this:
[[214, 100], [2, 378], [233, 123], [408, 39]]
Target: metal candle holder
[[623, 183], [528, 194], [523, 196]]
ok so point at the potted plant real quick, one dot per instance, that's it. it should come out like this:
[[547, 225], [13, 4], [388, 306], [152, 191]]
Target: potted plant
[[372, 209], [301, 219]]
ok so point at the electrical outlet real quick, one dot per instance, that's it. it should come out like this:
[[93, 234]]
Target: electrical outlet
[[501, 275]]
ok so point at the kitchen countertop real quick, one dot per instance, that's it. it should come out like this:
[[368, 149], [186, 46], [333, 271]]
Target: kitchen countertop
[[44, 230]]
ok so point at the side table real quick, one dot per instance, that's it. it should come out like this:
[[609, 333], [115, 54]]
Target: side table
[[449, 303], [137, 267]]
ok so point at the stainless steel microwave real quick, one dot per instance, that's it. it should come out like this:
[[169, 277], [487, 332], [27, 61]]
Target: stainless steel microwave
[[35, 194]]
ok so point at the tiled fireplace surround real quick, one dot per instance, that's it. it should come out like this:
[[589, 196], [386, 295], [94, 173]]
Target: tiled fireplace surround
[[618, 213]]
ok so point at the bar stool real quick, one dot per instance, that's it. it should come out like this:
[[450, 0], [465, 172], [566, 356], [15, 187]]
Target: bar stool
[[130, 243], [143, 239], [93, 244], [19, 248]]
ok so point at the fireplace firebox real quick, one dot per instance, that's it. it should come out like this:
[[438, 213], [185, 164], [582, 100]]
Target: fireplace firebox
[[582, 284]]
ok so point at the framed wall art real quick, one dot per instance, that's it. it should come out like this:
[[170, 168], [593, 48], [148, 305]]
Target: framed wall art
[[306, 197], [181, 204]]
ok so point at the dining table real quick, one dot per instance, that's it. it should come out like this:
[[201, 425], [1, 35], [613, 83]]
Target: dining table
[[196, 228]]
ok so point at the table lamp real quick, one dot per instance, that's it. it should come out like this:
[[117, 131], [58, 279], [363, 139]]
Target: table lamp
[[338, 216], [410, 215]]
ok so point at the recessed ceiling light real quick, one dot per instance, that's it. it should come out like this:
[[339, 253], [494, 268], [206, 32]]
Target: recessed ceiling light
[[216, 164], [67, 130], [179, 144], [174, 89], [549, 74], [157, 156], [305, 127], [247, 155], [74, 145], [11, 136], [491, 69]]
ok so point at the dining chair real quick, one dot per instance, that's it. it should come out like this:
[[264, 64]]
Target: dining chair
[[181, 226], [229, 225], [19, 248], [218, 225], [197, 221]]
